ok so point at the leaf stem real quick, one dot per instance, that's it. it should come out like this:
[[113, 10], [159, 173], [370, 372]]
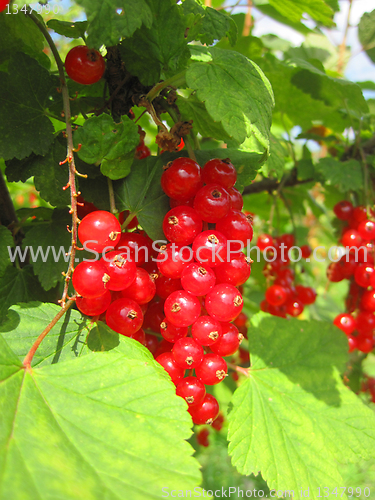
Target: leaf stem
[[111, 196], [29, 356], [128, 220], [239, 369], [175, 81]]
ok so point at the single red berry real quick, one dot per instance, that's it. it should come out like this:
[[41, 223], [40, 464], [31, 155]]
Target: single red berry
[[192, 390], [365, 323], [241, 320], [206, 330], [124, 316], [368, 301], [265, 240], [94, 307], [351, 238], [99, 230], [363, 275], [121, 271], [276, 295], [84, 65], [365, 344], [236, 226], [151, 342], [366, 230], [181, 179], [142, 151], [188, 353], [345, 322], [305, 251], [217, 424], [335, 272], [165, 286], [229, 342], [181, 225], [360, 214], [154, 316], [90, 279], [163, 347], [294, 307], [236, 200], [169, 364], [352, 343], [343, 210], [142, 289], [220, 172], [198, 279], [236, 272], [287, 239], [182, 308], [137, 247], [173, 259], [212, 370], [171, 332], [206, 411], [210, 248], [202, 437], [139, 336], [212, 202], [305, 294], [84, 207], [224, 302]]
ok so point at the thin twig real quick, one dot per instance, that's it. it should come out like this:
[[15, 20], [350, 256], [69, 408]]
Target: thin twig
[[247, 25], [111, 193], [342, 47]]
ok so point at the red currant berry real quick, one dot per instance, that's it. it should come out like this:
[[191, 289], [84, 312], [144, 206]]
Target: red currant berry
[[360, 214], [182, 179], [187, 353], [169, 364], [351, 238], [84, 207], [236, 200], [136, 246], [191, 390], [165, 286], [163, 347], [154, 316], [173, 259], [220, 172], [171, 332], [84, 65], [198, 279], [363, 275], [366, 230], [99, 230], [343, 210], [229, 342], [236, 272], [294, 307], [368, 301], [120, 270], [206, 330], [346, 323], [210, 248], [139, 336], [212, 370], [265, 240], [143, 288], [236, 226], [90, 279], [217, 424], [352, 343], [305, 294], [94, 307], [151, 342], [224, 302], [335, 272], [206, 411], [241, 320], [365, 344], [202, 437], [276, 295], [305, 251], [212, 202], [142, 151], [365, 323], [181, 225], [182, 308], [124, 316]]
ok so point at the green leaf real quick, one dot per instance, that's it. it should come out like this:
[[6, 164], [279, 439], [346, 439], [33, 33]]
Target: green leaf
[[270, 11], [25, 322], [102, 338], [69, 29], [141, 193], [346, 176], [367, 85], [235, 92], [366, 33], [103, 139], [24, 129], [293, 419], [117, 168], [150, 51], [317, 46], [48, 244], [18, 33], [19, 285], [111, 20], [295, 9], [49, 176], [6, 240], [104, 419]]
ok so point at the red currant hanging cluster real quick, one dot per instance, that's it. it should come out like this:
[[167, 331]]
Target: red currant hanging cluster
[[357, 266], [282, 296]]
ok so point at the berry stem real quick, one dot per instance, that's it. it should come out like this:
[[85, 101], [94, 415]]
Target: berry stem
[[70, 151], [29, 356], [112, 202], [239, 369], [175, 81], [128, 220]]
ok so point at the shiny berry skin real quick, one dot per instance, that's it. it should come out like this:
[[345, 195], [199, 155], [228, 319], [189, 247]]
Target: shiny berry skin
[[276, 295], [84, 65], [167, 361], [241, 320], [121, 271], [265, 240], [360, 214], [198, 279], [294, 307], [206, 411], [136, 246], [224, 302], [345, 322], [220, 172], [368, 301], [165, 286], [124, 316], [84, 207], [306, 294], [236, 272], [335, 272], [365, 323], [3, 4], [352, 343], [229, 342], [363, 275], [351, 238], [173, 259], [142, 151], [212, 370], [206, 330], [365, 344], [366, 230], [191, 390], [181, 225], [94, 307], [187, 353], [236, 226], [210, 248], [212, 202], [182, 179], [182, 308], [99, 230], [236, 200], [171, 332], [343, 210], [143, 288], [90, 279]]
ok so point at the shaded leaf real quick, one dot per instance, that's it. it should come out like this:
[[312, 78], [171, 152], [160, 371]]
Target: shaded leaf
[[295, 9], [366, 33], [102, 338], [346, 176], [6, 240], [69, 29]]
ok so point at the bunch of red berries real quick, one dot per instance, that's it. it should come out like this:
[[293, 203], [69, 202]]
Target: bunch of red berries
[[357, 266], [282, 296]]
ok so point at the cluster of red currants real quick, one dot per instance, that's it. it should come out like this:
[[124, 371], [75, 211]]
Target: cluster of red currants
[[357, 266], [283, 297], [186, 290]]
